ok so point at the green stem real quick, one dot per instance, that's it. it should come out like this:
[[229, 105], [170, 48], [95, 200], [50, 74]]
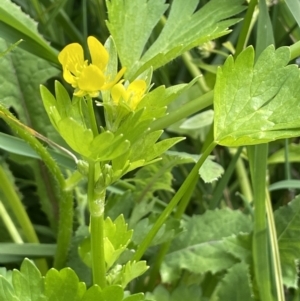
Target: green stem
[[274, 249], [66, 197], [20, 213], [245, 28], [243, 180], [173, 203], [188, 109], [96, 205], [287, 165], [10, 226], [165, 247], [261, 255], [295, 50], [218, 192], [195, 71], [90, 105]]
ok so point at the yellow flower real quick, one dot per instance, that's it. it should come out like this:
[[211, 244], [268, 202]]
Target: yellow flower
[[87, 79], [132, 95]]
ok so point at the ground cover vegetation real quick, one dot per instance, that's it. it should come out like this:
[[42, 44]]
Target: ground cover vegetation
[[149, 150]]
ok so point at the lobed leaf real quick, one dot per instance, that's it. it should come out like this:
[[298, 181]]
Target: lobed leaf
[[287, 220], [16, 25], [203, 249], [236, 284], [257, 103], [183, 29]]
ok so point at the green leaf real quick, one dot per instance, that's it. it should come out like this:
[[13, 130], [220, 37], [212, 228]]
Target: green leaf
[[135, 297], [78, 137], [199, 120], [285, 184], [131, 29], [6, 291], [236, 285], [117, 237], [18, 146], [165, 233], [27, 250], [28, 283], [131, 271], [203, 249], [279, 155], [210, 171], [63, 285], [256, 103], [240, 246], [112, 293], [16, 25], [93, 293], [184, 292], [287, 220], [294, 7], [20, 76], [10, 48], [183, 29]]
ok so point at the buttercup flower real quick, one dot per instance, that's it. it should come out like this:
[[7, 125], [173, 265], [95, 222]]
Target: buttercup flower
[[132, 95], [87, 79]]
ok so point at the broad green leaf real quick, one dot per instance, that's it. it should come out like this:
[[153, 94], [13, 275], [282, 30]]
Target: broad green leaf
[[28, 283], [287, 220], [93, 293], [20, 76], [240, 246], [131, 29], [63, 285], [16, 25], [236, 284], [184, 292], [256, 103], [78, 137], [6, 291], [183, 30], [198, 259], [112, 293], [203, 249]]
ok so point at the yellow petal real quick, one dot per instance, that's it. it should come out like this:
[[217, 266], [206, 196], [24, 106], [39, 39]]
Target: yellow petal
[[137, 87], [69, 78], [98, 53], [91, 79], [136, 91], [117, 92], [71, 57], [108, 85]]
